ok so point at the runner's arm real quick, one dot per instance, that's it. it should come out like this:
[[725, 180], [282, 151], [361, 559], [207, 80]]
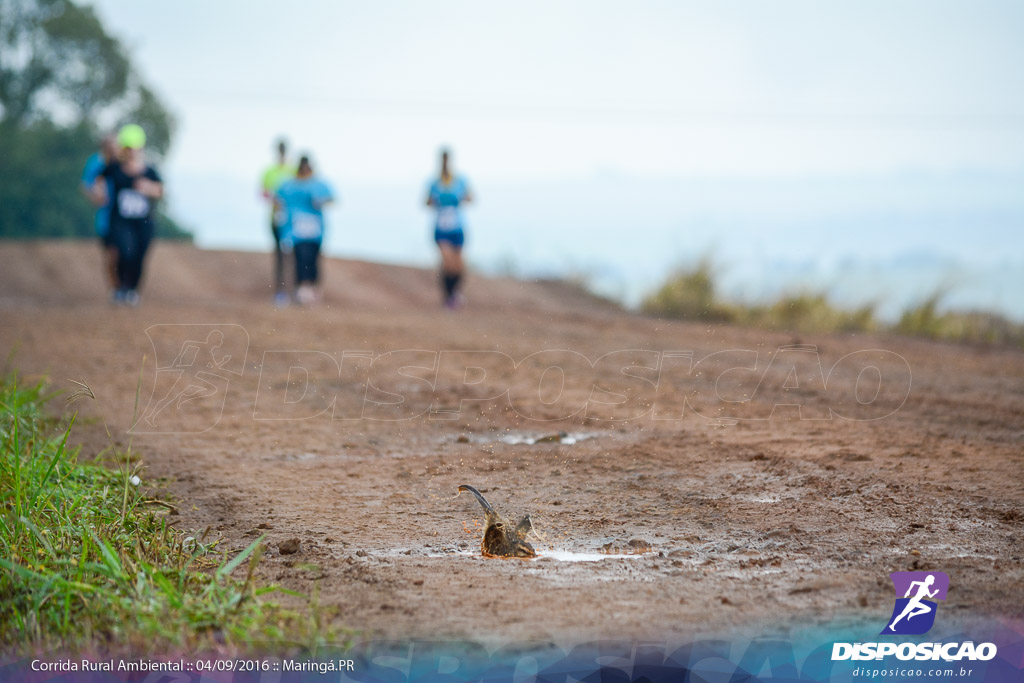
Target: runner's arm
[[94, 168], [97, 194], [153, 189], [150, 185]]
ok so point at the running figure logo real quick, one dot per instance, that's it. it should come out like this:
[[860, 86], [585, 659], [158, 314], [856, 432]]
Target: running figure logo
[[914, 613], [194, 365]]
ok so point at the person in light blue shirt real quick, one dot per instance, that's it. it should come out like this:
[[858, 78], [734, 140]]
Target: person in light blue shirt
[[303, 199], [446, 195], [93, 168]]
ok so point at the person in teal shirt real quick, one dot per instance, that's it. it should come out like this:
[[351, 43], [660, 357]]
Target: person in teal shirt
[[302, 200], [446, 195]]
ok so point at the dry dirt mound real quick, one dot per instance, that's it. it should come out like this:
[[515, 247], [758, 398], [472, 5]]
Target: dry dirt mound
[[68, 272]]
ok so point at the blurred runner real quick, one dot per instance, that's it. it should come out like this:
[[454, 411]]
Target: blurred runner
[[93, 167], [446, 195], [134, 188], [272, 179], [302, 199]]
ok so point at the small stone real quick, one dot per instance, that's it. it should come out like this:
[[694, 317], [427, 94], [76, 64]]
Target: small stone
[[289, 547]]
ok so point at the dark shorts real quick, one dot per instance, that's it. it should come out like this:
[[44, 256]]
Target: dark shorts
[[455, 237], [307, 256]]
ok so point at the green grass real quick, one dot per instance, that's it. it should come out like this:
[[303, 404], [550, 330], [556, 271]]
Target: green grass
[[689, 294], [973, 327], [88, 562], [809, 312]]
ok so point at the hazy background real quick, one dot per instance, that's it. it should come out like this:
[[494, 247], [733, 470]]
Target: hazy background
[[873, 149]]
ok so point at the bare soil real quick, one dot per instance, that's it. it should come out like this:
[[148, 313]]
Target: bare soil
[[703, 522]]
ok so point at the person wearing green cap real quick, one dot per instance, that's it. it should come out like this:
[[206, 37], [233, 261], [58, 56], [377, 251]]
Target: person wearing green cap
[[132, 188], [131, 136], [273, 178]]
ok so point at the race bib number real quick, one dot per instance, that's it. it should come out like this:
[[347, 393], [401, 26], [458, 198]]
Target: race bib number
[[131, 204], [305, 226], [447, 218]]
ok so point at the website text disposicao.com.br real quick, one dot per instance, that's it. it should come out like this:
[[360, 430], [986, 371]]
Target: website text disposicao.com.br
[[901, 673], [949, 652]]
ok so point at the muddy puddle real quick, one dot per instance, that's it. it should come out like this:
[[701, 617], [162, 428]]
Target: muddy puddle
[[556, 554], [527, 438], [370, 451]]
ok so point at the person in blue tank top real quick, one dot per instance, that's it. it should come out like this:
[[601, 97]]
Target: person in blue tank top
[[101, 223], [446, 195], [303, 199]]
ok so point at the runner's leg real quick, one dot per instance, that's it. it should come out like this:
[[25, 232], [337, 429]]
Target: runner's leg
[[280, 286]]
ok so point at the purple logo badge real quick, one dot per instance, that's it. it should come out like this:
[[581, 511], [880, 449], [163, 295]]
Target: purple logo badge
[[916, 593]]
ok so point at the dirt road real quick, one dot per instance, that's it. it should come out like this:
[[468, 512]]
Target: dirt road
[[776, 483]]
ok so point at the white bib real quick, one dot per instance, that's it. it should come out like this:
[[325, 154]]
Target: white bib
[[132, 204], [305, 226], [447, 218]]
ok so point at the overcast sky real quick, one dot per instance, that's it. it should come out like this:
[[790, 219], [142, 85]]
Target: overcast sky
[[550, 106], [558, 88]]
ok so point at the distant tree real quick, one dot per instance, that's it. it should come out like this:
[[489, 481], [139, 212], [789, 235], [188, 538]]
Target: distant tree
[[64, 80]]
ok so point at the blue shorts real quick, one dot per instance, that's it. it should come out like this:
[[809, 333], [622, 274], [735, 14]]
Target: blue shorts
[[455, 237]]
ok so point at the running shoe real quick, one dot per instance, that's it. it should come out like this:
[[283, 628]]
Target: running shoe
[[455, 302], [305, 295]]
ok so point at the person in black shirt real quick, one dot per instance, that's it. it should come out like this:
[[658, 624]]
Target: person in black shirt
[[135, 187]]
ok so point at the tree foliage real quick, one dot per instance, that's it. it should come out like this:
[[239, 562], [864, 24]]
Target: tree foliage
[[63, 82]]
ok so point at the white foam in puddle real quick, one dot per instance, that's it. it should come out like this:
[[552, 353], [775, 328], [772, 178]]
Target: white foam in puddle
[[516, 438], [569, 556], [557, 555], [564, 438]]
